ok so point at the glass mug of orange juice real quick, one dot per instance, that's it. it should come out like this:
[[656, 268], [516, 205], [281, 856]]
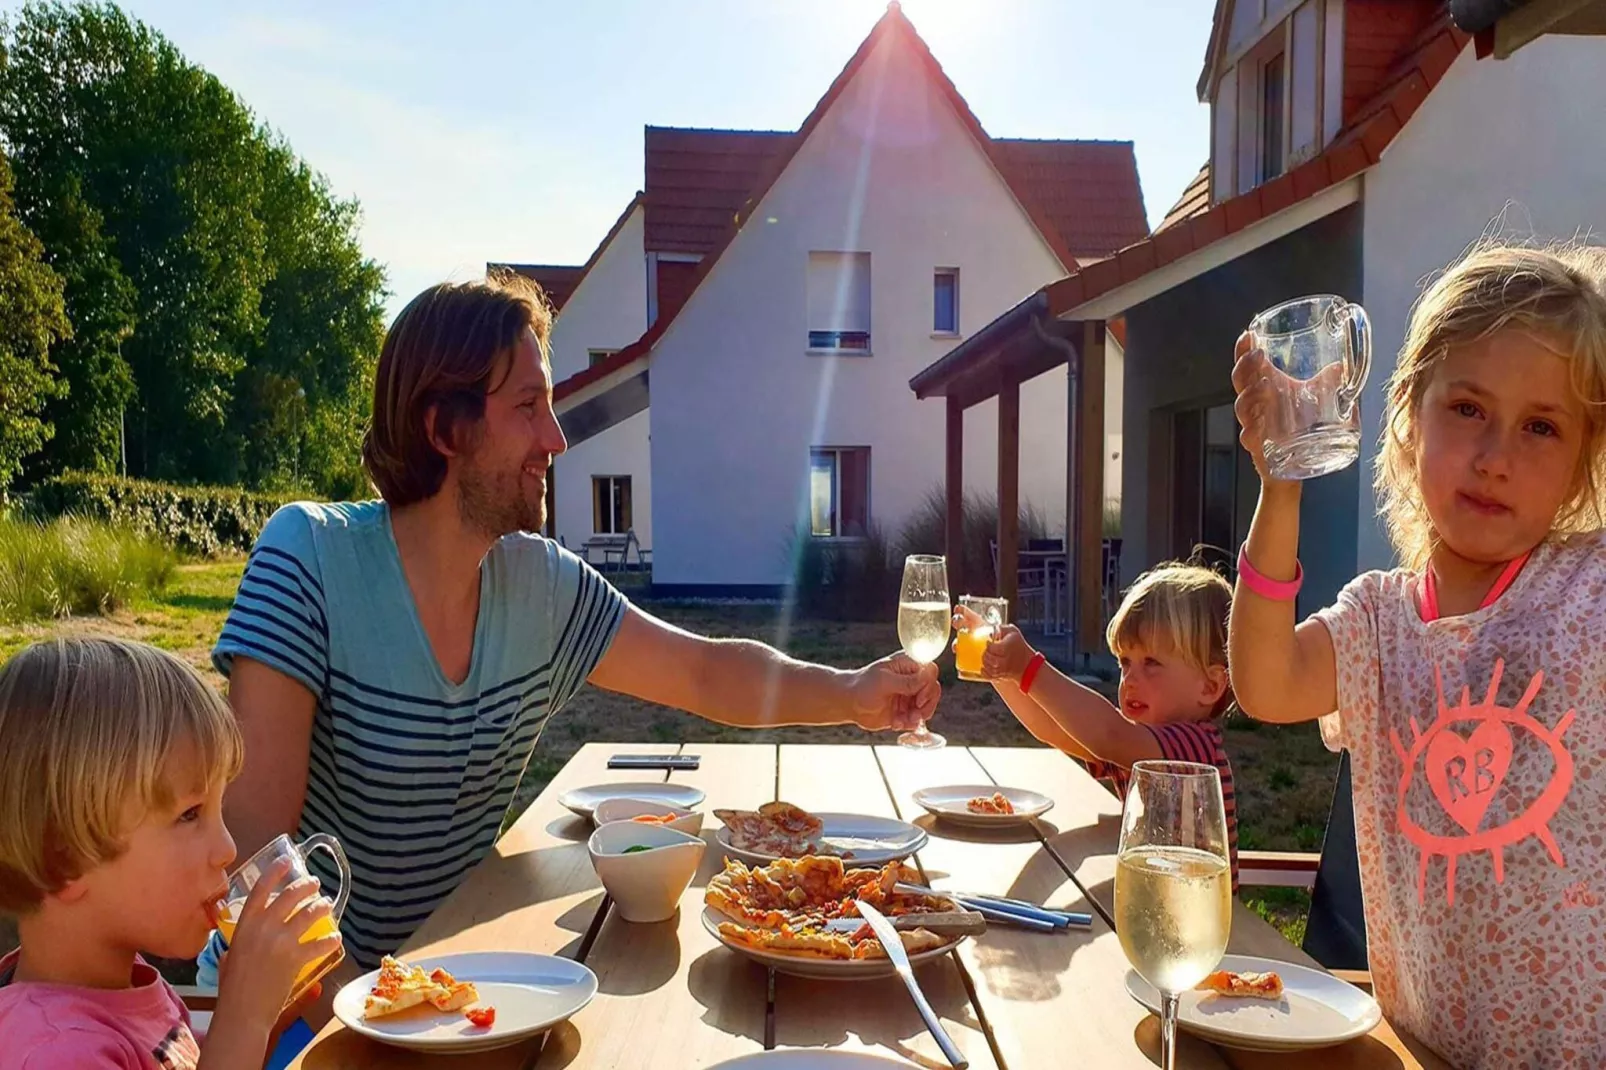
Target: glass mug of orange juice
[[246, 877], [971, 642]]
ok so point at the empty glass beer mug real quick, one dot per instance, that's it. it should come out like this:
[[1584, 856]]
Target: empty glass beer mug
[[1319, 349]]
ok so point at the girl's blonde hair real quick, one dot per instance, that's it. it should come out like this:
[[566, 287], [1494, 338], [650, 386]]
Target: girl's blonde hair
[[1179, 609], [1558, 293], [92, 729]]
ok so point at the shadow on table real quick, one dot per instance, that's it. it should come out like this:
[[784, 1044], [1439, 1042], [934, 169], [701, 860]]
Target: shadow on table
[[972, 834], [732, 990], [879, 1013], [1364, 1052], [570, 827], [631, 958], [1023, 966]]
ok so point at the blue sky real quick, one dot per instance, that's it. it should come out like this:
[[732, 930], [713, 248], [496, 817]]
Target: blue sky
[[483, 131]]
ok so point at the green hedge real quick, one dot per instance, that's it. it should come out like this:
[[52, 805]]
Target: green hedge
[[207, 521]]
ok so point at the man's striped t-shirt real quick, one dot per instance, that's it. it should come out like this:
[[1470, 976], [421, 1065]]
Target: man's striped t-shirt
[[411, 772]]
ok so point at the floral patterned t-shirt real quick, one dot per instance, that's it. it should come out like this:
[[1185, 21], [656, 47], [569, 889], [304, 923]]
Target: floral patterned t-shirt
[[1478, 760]]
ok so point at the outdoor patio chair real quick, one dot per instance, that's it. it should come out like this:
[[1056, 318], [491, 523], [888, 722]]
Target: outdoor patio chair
[[1031, 591], [1335, 935], [622, 550]]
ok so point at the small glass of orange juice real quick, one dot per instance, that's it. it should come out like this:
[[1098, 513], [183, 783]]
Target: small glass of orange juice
[[971, 643], [245, 878]]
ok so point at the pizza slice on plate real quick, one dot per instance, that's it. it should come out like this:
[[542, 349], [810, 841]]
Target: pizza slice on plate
[[400, 987], [1244, 985]]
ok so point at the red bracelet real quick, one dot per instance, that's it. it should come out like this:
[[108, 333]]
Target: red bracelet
[[1274, 590], [1032, 668]]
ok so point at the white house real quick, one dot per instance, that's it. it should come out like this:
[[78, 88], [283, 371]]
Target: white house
[[1358, 146], [793, 283]]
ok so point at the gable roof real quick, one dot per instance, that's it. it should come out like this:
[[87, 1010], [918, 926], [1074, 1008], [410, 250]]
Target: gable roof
[[1194, 224], [698, 180], [1029, 170], [561, 280]]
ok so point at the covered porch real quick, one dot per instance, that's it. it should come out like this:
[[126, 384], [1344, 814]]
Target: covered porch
[[1021, 345]]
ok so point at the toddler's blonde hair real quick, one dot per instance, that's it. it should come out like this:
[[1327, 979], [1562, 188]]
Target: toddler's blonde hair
[[1558, 294], [90, 730], [1180, 609]]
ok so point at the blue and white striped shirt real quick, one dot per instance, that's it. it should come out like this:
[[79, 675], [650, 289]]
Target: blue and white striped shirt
[[411, 772]]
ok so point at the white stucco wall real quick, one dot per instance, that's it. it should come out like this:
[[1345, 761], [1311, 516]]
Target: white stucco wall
[[737, 403], [1518, 141], [607, 311]]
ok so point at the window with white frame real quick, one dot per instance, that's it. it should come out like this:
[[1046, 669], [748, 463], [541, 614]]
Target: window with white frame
[[610, 505], [839, 302], [945, 301], [839, 491]]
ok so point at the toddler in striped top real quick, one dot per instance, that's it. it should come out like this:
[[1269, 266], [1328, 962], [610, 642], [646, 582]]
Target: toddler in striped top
[[1170, 634]]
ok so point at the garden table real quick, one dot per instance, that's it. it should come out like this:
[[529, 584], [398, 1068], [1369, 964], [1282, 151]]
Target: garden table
[[672, 998]]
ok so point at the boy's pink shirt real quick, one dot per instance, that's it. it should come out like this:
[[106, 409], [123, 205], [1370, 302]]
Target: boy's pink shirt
[[1478, 758], [143, 1027]]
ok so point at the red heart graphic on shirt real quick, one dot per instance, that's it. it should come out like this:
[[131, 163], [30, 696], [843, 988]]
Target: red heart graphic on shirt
[[1466, 773]]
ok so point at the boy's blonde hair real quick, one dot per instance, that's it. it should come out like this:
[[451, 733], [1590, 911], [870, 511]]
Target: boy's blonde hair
[[1180, 609], [90, 728], [1557, 293]]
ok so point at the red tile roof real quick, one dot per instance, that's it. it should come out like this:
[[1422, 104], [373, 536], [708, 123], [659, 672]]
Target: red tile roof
[[561, 280], [1194, 200], [698, 182], [1190, 226], [1088, 189], [557, 281], [1090, 199]]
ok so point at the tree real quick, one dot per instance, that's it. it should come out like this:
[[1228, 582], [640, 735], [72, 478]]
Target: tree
[[32, 319], [218, 288]]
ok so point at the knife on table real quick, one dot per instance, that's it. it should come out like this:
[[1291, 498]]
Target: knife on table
[[893, 946]]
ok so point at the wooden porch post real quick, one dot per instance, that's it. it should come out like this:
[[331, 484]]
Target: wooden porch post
[[1089, 574], [1009, 494], [954, 488]]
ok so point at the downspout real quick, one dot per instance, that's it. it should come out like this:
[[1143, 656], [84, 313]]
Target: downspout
[[1073, 481]]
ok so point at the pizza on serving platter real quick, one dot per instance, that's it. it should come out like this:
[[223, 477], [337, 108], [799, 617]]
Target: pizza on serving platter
[[788, 905], [778, 830]]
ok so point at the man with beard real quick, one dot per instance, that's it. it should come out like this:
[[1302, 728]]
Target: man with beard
[[391, 663]]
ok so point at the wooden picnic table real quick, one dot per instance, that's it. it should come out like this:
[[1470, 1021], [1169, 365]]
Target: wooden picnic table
[[672, 998]]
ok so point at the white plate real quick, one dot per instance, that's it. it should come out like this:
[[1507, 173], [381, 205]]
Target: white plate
[[1317, 1009], [873, 841], [812, 1059], [531, 994], [822, 969], [583, 801], [948, 802]]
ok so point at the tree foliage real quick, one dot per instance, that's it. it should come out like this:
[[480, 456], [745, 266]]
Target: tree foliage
[[221, 305]]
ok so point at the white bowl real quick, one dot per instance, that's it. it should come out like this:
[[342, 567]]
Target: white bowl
[[688, 821], [646, 886]]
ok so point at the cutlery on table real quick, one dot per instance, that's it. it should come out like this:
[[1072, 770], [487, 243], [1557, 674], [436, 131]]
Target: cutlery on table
[[1011, 910], [900, 961]]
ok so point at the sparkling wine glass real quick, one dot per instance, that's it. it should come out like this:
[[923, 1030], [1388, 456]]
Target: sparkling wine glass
[[1173, 883], [924, 618]]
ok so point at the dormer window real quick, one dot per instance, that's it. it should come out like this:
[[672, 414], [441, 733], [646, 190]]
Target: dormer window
[[1271, 117]]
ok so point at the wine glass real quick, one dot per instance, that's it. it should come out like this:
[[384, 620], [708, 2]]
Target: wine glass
[[924, 617], [1173, 883]]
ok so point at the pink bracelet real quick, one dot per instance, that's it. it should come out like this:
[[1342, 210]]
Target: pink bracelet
[[1274, 590]]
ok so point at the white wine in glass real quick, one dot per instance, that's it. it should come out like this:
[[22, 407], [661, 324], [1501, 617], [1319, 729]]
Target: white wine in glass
[[924, 618], [1173, 883]]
